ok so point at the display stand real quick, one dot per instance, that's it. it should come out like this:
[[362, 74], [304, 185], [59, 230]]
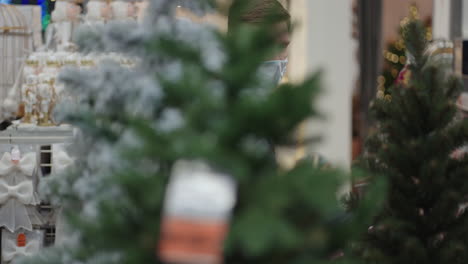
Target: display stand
[[29, 143], [40, 139]]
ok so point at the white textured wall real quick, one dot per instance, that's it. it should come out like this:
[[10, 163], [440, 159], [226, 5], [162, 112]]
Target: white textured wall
[[441, 19], [465, 19], [324, 42]]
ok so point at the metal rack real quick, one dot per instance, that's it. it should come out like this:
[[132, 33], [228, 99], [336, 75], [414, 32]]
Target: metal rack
[[29, 134]]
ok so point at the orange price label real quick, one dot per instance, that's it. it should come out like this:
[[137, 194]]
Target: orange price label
[[21, 240], [188, 241]]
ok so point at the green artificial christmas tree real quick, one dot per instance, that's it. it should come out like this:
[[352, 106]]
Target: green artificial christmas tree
[[422, 220], [194, 94], [395, 60], [395, 54]]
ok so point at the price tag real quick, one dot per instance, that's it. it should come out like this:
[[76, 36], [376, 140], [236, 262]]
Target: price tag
[[21, 240], [197, 210]]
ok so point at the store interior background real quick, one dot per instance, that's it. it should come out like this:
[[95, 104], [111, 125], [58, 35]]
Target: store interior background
[[349, 47], [331, 44], [350, 63], [349, 42]]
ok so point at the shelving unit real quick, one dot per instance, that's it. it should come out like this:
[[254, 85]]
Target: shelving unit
[[29, 134], [42, 138]]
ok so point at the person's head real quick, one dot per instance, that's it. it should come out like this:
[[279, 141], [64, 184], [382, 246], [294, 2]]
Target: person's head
[[256, 12]]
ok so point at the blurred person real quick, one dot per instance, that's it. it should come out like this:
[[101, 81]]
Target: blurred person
[[275, 67], [257, 12]]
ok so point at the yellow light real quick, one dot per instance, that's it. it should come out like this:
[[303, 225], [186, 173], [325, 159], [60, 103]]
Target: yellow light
[[386, 55], [404, 21], [401, 43], [381, 80], [398, 46], [402, 59], [429, 33], [380, 94], [414, 12]]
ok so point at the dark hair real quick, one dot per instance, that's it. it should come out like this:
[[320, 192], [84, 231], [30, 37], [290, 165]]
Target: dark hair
[[257, 12]]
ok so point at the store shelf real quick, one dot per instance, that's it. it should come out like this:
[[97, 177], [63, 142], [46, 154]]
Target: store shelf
[[31, 134]]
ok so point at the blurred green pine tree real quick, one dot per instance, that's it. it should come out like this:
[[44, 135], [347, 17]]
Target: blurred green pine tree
[[395, 54], [423, 221]]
